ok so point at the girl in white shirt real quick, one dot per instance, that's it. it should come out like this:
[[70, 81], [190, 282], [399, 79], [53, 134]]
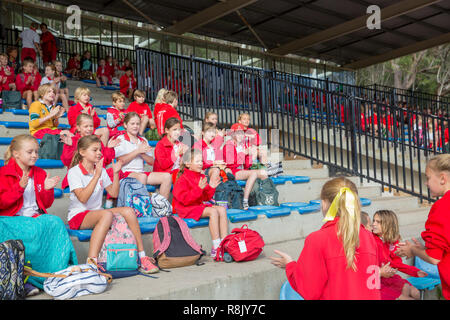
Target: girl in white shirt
[[87, 179], [50, 71], [134, 150]]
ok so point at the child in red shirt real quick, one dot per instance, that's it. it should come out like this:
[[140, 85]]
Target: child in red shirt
[[128, 83], [167, 110], [103, 74], [7, 76], [82, 97], [190, 193], [21, 180], [143, 110], [116, 114], [337, 262], [236, 155], [28, 82], [386, 231], [436, 235], [169, 151]]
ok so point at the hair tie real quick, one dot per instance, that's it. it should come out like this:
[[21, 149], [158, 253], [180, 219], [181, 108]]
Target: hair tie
[[349, 204]]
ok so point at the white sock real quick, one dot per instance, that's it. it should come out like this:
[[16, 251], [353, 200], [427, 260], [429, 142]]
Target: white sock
[[216, 243], [141, 254]]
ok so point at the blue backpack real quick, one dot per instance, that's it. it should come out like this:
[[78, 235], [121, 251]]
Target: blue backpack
[[134, 194]]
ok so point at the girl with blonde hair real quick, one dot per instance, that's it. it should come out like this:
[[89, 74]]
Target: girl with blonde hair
[[339, 261]]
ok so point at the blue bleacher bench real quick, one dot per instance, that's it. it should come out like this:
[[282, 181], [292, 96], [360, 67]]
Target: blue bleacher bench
[[279, 212], [44, 163], [238, 215], [102, 107], [109, 87], [58, 193], [364, 202], [89, 81], [24, 125], [287, 293], [425, 283], [301, 207]]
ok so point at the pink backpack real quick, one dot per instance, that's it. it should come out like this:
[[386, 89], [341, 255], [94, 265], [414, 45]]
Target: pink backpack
[[173, 245]]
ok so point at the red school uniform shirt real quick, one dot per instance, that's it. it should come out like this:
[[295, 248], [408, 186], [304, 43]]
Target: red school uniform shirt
[[69, 151], [11, 78], [11, 193], [210, 153], [114, 121], [163, 113], [140, 109], [21, 82], [321, 272], [73, 64], [165, 157], [125, 83], [188, 197], [104, 71], [235, 157], [75, 111], [437, 239]]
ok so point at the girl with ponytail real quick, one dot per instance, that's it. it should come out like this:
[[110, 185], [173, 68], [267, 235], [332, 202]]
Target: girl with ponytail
[[339, 261]]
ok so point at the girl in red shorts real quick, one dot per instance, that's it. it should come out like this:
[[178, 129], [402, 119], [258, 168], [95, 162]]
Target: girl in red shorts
[[191, 191], [87, 181]]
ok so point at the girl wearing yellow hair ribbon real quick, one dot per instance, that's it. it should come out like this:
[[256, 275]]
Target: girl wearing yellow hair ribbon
[[340, 260]]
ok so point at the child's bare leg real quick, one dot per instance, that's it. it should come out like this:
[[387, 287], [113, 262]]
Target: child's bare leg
[[250, 176], [223, 221], [213, 215], [103, 134], [144, 123], [141, 177], [164, 179], [406, 294], [213, 174], [100, 221]]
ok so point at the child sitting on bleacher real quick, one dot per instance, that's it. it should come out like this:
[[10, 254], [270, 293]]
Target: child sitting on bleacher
[[44, 114], [27, 82], [103, 76], [169, 150], [7, 76], [253, 140], [387, 236], [236, 154], [336, 260], [86, 65], [85, 127], [166, 110], [128, 83], [12, 59], [82, 97], [436, 236], [87, 180], [213, 118], [51, 78], [143, 110], [212, 151], [116, 114], [73, 65], [190, 193], [62, 79], [133, 151]]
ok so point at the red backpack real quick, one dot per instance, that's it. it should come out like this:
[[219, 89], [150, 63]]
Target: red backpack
[[242, 245]]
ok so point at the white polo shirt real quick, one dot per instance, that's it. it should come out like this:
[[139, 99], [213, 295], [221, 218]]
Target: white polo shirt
[[29, 207], [78, 177], [29, 37], [125, 147]]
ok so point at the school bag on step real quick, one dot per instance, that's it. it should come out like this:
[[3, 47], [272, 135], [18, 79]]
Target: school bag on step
[[229, 192], [264, 193], [243, 244], [51, 147], [12, 260], [173, 244]]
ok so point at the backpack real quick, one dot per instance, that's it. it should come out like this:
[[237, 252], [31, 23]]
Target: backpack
[[12, 100], [173, 245], [152, 135], [161, 207], [264, 193], [51, 147], [230, 191], [12, 261], [243, 244], [134, 194]]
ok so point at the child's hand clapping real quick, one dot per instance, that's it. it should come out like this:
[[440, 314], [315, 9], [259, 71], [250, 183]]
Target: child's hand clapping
[[99, 168], [117, 166], [50, 183], [214, 183], [113, 142], [144, 147], [202, 183]]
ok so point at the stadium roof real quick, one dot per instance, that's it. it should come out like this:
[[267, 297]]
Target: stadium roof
[[325, 29]]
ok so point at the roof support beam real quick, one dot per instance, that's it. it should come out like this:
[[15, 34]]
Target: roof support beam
[[415, 47], [208, 15], [351, 26]]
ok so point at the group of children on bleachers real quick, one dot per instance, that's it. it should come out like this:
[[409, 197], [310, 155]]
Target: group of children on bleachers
[[194, 169]]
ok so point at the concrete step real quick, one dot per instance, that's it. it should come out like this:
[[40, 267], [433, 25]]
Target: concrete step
[[214, 280]]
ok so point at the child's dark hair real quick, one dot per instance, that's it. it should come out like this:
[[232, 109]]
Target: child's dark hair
[[83, 144], [128, 69], [129, 116], [170, 123]]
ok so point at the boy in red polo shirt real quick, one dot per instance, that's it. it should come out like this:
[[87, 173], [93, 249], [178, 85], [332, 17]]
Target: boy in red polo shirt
[[116, 114], [28, 82], [128, 83], [166, 111], [103, 74], [143, 110]]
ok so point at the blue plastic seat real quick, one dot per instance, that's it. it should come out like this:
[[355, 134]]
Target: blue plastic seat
[[82, 235], [301, 207], [109, 87], [152, 143], [278, 180], [58, 193], [49, 163], [102, 107], [365, 202], [261, 209], [425, 283], [15, 124], [237, 215], [287, 293], [279, 212], [241, 182], [203, 222], [89, 81], [5, 140]]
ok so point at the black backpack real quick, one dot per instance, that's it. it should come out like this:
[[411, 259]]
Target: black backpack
[[231, 192], [12, 100], [51, 147], [264, 193]]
